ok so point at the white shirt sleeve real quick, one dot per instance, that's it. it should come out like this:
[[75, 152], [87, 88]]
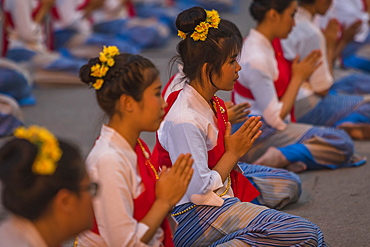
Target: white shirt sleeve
[[265, 96], [25, 28], [114, 206], [187, 137]]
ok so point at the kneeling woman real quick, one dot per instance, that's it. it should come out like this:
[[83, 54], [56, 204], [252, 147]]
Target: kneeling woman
[[135, 199], [209, 214]]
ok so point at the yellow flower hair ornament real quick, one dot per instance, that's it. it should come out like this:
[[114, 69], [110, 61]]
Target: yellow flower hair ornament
[[99, 70], [49, 152], [201, 30]]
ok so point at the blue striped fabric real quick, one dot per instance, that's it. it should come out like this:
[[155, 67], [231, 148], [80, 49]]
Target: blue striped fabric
[[7, 124], [356, 83], [333, 108], [278, 187], [332, 148], [335, 137], [251, 224]]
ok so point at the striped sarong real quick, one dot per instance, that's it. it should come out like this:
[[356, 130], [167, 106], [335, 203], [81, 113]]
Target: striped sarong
[[354, 83], [317, 147], [277, 187], [333, 109], [238, 223]]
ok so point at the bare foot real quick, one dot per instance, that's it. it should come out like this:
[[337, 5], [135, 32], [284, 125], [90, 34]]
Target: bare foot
[[297, 167], [356, 131], [272, 158]]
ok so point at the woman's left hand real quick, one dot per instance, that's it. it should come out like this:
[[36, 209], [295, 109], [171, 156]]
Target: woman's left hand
[[237, 113]]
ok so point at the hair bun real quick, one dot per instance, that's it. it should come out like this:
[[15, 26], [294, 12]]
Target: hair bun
[[85, 71], [15, 169], [258, 10], [187, 20]]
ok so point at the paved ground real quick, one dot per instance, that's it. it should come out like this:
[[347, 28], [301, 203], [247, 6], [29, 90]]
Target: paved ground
[[337, 201]]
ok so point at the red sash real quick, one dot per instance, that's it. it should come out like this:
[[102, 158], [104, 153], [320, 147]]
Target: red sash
[[242, 187], [144, 202], [281, 84], [130, 8]]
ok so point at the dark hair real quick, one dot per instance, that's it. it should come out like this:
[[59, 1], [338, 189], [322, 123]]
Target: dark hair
[[307, 1], [27, 194], [131, 75], [221, 43], [259, 8]]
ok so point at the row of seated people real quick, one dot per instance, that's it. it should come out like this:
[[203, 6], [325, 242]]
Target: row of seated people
[[216, 202]]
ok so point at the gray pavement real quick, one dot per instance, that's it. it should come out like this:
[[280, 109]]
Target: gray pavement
[[337, 201]]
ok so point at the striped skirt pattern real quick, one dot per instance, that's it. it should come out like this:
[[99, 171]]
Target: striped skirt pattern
[[354, 83], [333, 109], [238, 223], [277, 187], [317, 147]]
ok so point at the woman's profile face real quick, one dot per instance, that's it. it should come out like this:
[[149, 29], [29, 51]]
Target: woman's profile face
[[286, 22], [229, 74], [84, 213], [322, 6], [151, 107]]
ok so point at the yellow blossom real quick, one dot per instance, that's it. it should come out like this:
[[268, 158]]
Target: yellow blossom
[[98, 84], [103, 71], [102, 57], [95, 69], [44, 167], [49, 152], [202, 37], [110, 62], [202, 29], [195, 36], [111, 51], [181, 34]]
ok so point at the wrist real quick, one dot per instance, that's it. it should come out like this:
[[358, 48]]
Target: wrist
[[232, 156], [164, 204], [298, 78]]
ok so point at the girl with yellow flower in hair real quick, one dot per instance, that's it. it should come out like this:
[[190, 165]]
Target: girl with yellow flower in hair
[[45, 189], [217, 208], [135, 197]]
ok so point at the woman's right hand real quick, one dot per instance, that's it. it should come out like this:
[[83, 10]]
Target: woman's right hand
[[242, 140], [304, 69], [173, 182]]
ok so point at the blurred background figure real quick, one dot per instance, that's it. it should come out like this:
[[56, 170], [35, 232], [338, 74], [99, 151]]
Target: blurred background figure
[[29, 42], [11, 116], [352, 16], [219, 5], [164, 10], [118, 17], [73, 30], [16, 82], [317, 101]]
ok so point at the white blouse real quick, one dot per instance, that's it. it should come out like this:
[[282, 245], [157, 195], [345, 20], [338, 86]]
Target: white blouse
[[347, 12], [113, 164], [191, 127], [26, 32], [70, 17], [20, 232], [111, 10], [304, 38], [258, 73]]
